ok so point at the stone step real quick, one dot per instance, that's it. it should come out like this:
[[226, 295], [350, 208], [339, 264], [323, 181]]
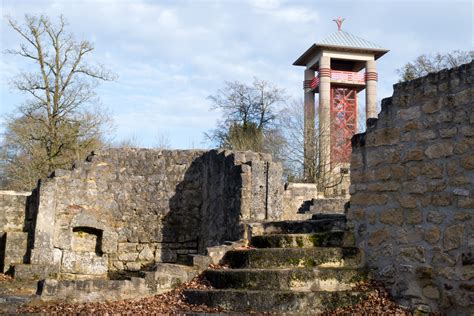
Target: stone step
[[301, 302], [167, 276], [15, 293], [320, 279], [294, 257], [35, 272], [300, 227], [329, 239], [9, 304]]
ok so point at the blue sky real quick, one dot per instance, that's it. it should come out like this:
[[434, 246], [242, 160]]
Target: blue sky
[[171, 55]]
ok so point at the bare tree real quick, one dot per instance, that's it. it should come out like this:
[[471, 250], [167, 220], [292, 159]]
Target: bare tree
[[249, 114], [425, 64], [61, 120], [162, 141], [291, 147]]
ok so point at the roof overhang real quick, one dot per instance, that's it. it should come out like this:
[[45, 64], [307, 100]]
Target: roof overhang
[[309, 54]]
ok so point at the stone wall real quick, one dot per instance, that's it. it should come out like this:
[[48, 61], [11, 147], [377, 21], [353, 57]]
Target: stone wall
[[298, 199], [124, 210], [412, 203], [15, 222]]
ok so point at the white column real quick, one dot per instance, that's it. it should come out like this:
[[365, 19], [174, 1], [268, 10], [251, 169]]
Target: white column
[[371, 90], [309, 125], [325, 115]]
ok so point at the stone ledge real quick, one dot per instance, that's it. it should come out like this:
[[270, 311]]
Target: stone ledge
[[16, 193], [92, 290], [35, 271]]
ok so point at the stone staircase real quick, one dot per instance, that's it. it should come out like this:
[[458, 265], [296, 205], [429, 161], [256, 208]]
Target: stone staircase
[[303, 267], [15, 294]]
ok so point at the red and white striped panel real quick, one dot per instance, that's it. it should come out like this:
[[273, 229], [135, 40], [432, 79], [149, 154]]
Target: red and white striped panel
[[371, 75], [324, 72]]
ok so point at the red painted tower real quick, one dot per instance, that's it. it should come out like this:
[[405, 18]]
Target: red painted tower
[[337, 68]]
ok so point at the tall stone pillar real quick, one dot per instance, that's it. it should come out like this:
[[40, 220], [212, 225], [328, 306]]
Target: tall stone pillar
[[324, 116], [309, 125], [371, 89]]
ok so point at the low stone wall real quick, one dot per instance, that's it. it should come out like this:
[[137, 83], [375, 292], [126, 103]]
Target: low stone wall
[[124, 210], [86, 291], [298, 198], [412, 203]]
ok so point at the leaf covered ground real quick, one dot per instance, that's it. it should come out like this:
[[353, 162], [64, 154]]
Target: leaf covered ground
[[173, 303]]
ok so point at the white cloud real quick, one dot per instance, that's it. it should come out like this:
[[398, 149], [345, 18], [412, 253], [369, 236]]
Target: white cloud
[[171, 55], [295, 15], [265, 4]]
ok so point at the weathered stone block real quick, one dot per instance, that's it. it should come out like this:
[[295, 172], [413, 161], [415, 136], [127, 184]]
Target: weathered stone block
[[414, 187], [379, 236], [425, 135], [414, 254], [448, 132], [439, 149], [409, 236], [133, 266], [461, 192], [127, 247], [466, 202], [432, 170], [109, 242], [453, 237], [462, 216], [461, 147], [458, 181], [408, 114], [442, 259], [408, 127], [383, 186], [84, 263], [441, 199], [382, 137], [431, 292], [407, 201], [432, 107], [435, 217], [452, 167], [413, 216], [14, 249], [413, 172], [146, 254], [467, 131], [361, 198], [392, 217], [436, 185], [432, 235], [414, 155], [381, 156], [35, 271], [468, 162]]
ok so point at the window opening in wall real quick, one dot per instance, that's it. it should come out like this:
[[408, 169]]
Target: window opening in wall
[[87, 239]]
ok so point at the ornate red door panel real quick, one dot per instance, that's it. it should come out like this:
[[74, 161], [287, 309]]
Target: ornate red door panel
[[343, 123]]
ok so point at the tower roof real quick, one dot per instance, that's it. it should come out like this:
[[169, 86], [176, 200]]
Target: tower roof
[[341, 41]]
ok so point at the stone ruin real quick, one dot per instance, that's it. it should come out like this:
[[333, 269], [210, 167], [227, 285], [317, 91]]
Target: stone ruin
[[129, 223]]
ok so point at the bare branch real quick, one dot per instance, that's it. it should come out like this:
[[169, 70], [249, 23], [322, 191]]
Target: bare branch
[[56, 126]]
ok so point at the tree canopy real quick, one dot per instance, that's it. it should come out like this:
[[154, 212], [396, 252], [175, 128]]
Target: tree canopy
[[249, 114], [61, 119], [425, 64]]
